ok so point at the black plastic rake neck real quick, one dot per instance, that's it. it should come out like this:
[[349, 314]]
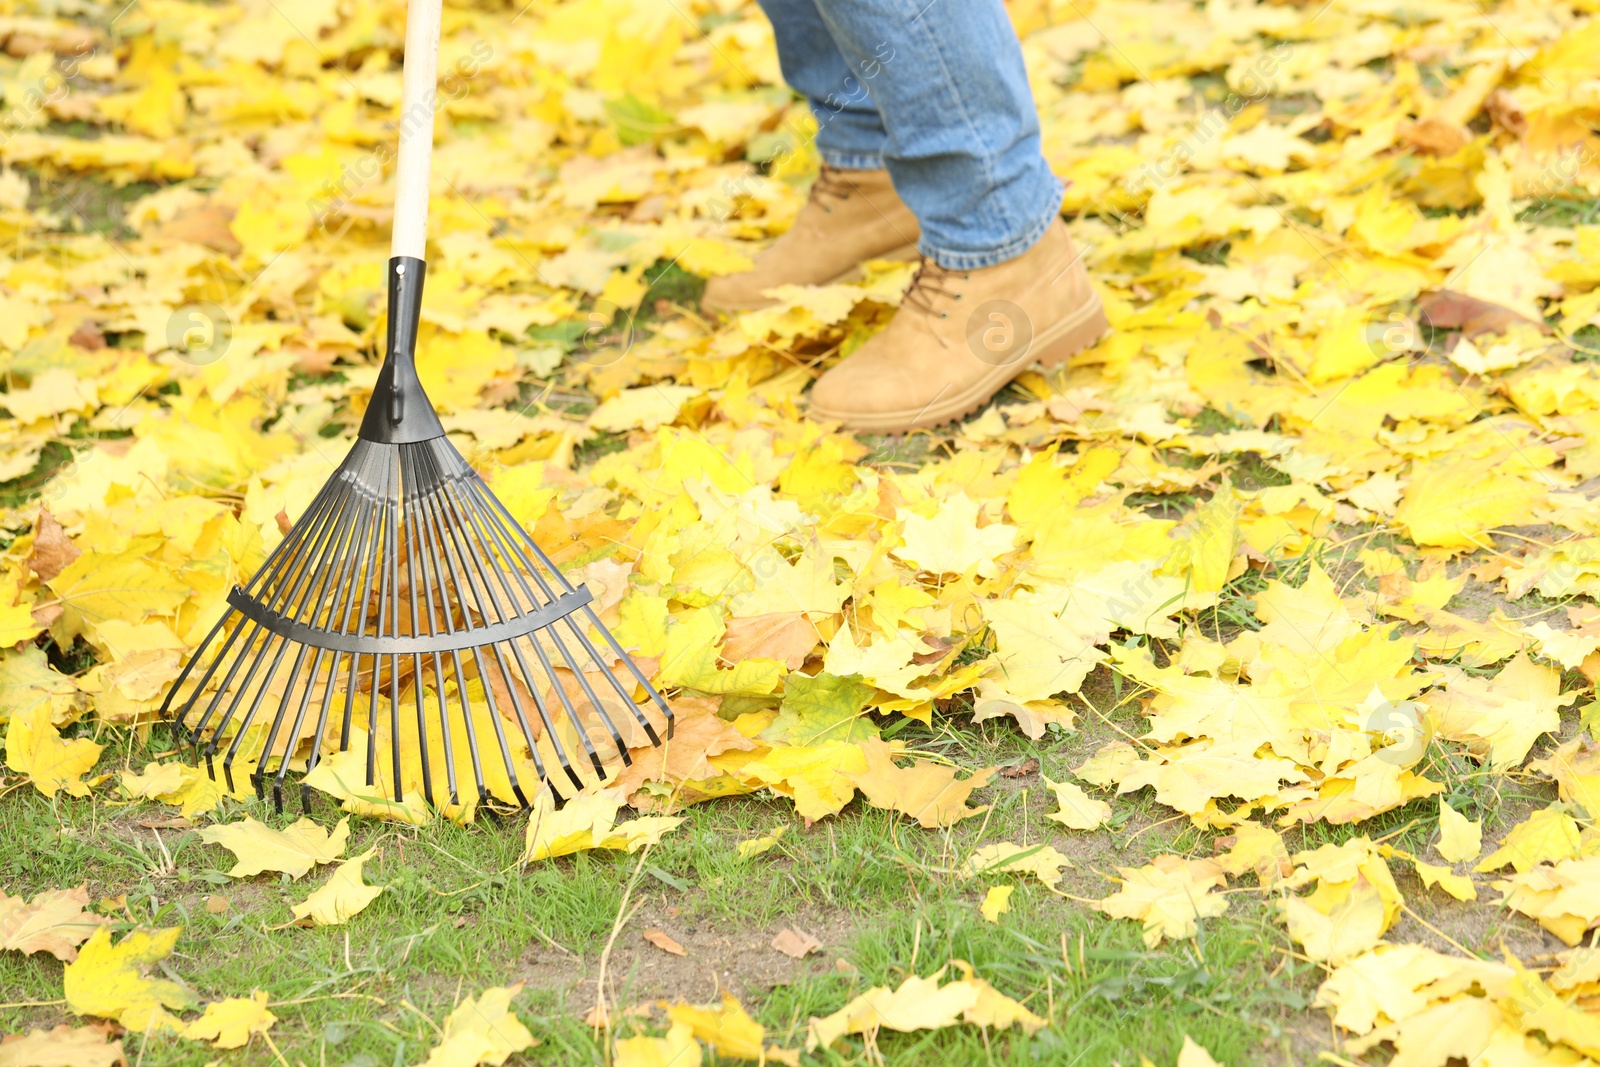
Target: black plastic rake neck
[[400, 412]]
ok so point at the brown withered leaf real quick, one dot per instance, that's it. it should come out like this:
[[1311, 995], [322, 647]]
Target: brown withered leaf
[[795, 943], [53, 551], [786, 636], [665, 942], [1020, 770], [1435, 136], [1507, 113], [1445, 309]]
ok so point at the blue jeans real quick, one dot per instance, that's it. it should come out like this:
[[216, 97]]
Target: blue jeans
[[937, 93]]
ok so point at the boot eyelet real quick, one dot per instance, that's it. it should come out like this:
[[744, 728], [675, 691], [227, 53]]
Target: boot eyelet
[[966, 276], [944, 314], [958, 297]]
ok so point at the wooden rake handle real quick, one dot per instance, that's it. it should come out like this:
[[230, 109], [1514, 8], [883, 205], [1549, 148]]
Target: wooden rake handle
[[418, 98]]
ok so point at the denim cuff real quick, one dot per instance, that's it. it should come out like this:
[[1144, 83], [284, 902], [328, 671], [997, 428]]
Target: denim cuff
[[850, 160], [1010, 250]]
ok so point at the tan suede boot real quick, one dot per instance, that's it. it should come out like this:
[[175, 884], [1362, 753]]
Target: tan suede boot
[[960, 336], [851, 216]]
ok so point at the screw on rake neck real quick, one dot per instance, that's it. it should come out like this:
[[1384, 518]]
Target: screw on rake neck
[[400, 412]]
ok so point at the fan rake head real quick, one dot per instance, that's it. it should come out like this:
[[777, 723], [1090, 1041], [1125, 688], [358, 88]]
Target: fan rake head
[[408, 603]]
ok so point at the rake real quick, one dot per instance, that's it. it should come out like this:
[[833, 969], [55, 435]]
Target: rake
[[413, 602]]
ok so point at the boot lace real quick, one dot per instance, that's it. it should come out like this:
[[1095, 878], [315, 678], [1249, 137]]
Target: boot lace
[[930, 282], [831, 184]]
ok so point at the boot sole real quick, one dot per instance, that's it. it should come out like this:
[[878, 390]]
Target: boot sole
[[726, 307], [1069, 337]]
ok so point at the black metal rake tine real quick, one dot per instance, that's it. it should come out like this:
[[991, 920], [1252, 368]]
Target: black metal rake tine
[[324, 498], [505, 537], [408, 480], [577, 672], [227, 681], [436, 527], [477, 655], [516, 701], [329, 533], [355, 550], [341, 545], [426, 534]]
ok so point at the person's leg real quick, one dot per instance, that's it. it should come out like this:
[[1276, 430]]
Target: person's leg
[[852, 214], [963, 135], [1002, 286], [850, 132]]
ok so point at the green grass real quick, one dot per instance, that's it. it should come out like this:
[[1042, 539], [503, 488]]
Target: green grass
[[460, 913]]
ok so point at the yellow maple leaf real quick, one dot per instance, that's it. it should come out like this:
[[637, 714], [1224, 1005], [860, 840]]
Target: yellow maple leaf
[[996, 902], [17, 623], [1193, 1054], [481, 1030], [690, 660], [756, 846], [34, 748], [1044, 862], [1545, 836], [292, 851], [921, 1004], [952, 542], [1169, 895], [1208, 539], [1563, 898], [726, 1028], [342, 897], [820, 778], [104, 980], [929, 793], [677, 1049], [1077, 809], [1460, 838], [1499, 718], [588, 821], [1253, 847], [231, 1023]]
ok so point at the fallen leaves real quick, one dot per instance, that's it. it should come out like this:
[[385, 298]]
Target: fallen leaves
[[1563, 897], [342, 897], [1431, 1008], [1350, 304], [36, 749], [1077, 810], [105, 980], [1460, 839], [726, 1028], [1044, 862], [1169, 896], [588, 820], [64, 1046], [292, 851], [996, 902], [664, 941], [54, 921], [795, 943], [481, 1030], [231, 1023], [924, 1004]]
